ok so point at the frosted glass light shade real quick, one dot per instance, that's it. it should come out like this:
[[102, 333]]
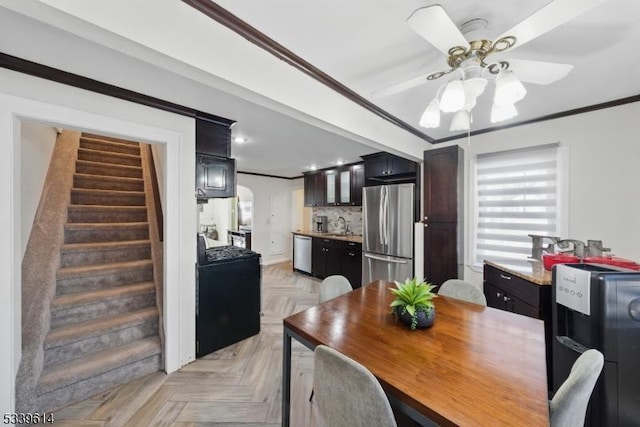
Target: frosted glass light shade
[[453, 97], [509, 89], [461, 121], [473, 88], [431, 116], [503, 112]]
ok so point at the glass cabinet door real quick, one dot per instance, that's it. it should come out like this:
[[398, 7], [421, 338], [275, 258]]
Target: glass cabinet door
[[345, 186], [331, 187]]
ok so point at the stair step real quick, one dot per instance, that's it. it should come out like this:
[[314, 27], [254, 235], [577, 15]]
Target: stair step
[[92, 277], [75, 340], [98, 168], [105, 232], [108, 157], [99, 182], [86, 196], [101, 144], [64, 374], [84, 306], [75, 254], [108, 138], [106, 214]]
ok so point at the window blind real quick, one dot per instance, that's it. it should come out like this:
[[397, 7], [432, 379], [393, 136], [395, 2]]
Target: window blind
[[516, 194]]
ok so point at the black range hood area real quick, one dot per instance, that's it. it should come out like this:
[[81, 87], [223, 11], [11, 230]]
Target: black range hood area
[[215, 169]]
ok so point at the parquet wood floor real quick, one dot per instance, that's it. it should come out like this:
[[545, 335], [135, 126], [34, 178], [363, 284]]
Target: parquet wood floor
[[237, 386]]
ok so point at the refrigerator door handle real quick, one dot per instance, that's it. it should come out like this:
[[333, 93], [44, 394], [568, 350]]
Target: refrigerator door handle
[[381, 215], [385, 223], [379, 258]]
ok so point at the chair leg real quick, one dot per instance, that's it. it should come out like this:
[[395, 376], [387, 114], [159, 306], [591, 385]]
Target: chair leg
[[311, 397]]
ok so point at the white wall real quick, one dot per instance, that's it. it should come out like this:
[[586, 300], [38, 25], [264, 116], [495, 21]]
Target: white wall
[[604, 174], [36, 146], [264, 190], [28, 98]]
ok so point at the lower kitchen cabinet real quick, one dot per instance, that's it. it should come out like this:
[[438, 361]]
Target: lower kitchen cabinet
[[329, 257], [508, 292]]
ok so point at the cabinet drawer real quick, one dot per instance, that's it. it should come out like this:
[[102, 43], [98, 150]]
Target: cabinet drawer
[[513, 285]]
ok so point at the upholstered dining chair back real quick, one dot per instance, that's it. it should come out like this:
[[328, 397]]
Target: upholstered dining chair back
[[569, 405], [346, 393], [459, 289], [334, 286]]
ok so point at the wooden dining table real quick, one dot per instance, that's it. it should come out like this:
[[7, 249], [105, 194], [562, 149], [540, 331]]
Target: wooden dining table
[[475, 366]]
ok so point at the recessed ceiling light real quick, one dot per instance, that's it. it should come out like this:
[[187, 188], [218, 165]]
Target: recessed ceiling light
[[239, 140], [313, 167], [339, 163]]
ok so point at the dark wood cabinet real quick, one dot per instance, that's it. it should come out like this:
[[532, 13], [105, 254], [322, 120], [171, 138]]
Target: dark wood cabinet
[[357, 183], [509, 292], [215, 176], [352, 263], [213, 136], [443, 190], [386, 167], [334, 187], [325, 257], [329, 257], [314, 189]]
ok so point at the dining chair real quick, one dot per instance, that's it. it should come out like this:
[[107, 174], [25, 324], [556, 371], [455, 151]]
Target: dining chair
[[347, 393], [569, 405], [331, 287], [459, 289], [334, 286]]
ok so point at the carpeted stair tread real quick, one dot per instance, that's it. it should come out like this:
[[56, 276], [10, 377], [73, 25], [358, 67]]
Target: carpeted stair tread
[[73, 371], [98, 168], [90, 297], [109, 138], [109, 157], [106, 145], [83, 180], [101, 269], [102, 246], [104, 226], [101, 192], [71, 333], [89, 214], [89, 196]]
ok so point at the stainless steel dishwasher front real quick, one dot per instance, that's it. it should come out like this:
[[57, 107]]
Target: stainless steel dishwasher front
[[302, 253]]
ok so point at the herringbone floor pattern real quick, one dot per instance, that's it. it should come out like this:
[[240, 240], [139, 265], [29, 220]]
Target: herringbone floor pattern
[[236, 386]]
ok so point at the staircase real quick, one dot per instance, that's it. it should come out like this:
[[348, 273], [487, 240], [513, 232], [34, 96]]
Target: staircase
[[104, 328]]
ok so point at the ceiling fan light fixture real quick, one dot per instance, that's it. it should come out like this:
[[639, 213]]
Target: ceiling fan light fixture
[[509, 89], [502, 112], [453, 98], [461, 121], [431, 116]]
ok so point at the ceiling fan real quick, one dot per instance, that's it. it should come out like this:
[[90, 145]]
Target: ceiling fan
[[471, 62]]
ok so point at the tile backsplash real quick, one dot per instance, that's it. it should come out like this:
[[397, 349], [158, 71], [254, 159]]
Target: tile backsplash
[[351, 214]]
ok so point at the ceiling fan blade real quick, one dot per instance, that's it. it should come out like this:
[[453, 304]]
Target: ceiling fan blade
[[399, 87], [436, 27], [547, 18], [538, 72]]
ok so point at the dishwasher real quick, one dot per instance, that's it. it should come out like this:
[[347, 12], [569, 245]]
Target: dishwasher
[[302, 253]]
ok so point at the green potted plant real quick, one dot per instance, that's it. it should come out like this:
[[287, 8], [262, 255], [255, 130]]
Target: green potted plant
[[413, 303]]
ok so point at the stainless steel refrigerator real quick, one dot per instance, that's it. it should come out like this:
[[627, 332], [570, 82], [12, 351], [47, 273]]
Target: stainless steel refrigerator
[[387, 238]]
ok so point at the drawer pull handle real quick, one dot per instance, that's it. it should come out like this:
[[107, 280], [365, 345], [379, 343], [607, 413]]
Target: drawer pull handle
[[505, 277]]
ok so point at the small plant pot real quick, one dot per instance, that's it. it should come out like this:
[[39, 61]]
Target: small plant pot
[[424, 319]]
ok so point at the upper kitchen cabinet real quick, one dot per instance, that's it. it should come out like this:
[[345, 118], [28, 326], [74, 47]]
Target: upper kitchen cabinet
[[442, 180], [213, 135], [314, 187], [383, 167], [340, 186], [215, 170]]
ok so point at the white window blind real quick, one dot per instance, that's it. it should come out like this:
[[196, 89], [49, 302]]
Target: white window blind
[[516, 194]]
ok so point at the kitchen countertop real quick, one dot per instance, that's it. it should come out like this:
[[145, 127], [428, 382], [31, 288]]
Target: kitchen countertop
[[533, 272], [345, 238]]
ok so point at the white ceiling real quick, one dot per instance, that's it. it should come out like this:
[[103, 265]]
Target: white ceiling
[[364, 44]]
